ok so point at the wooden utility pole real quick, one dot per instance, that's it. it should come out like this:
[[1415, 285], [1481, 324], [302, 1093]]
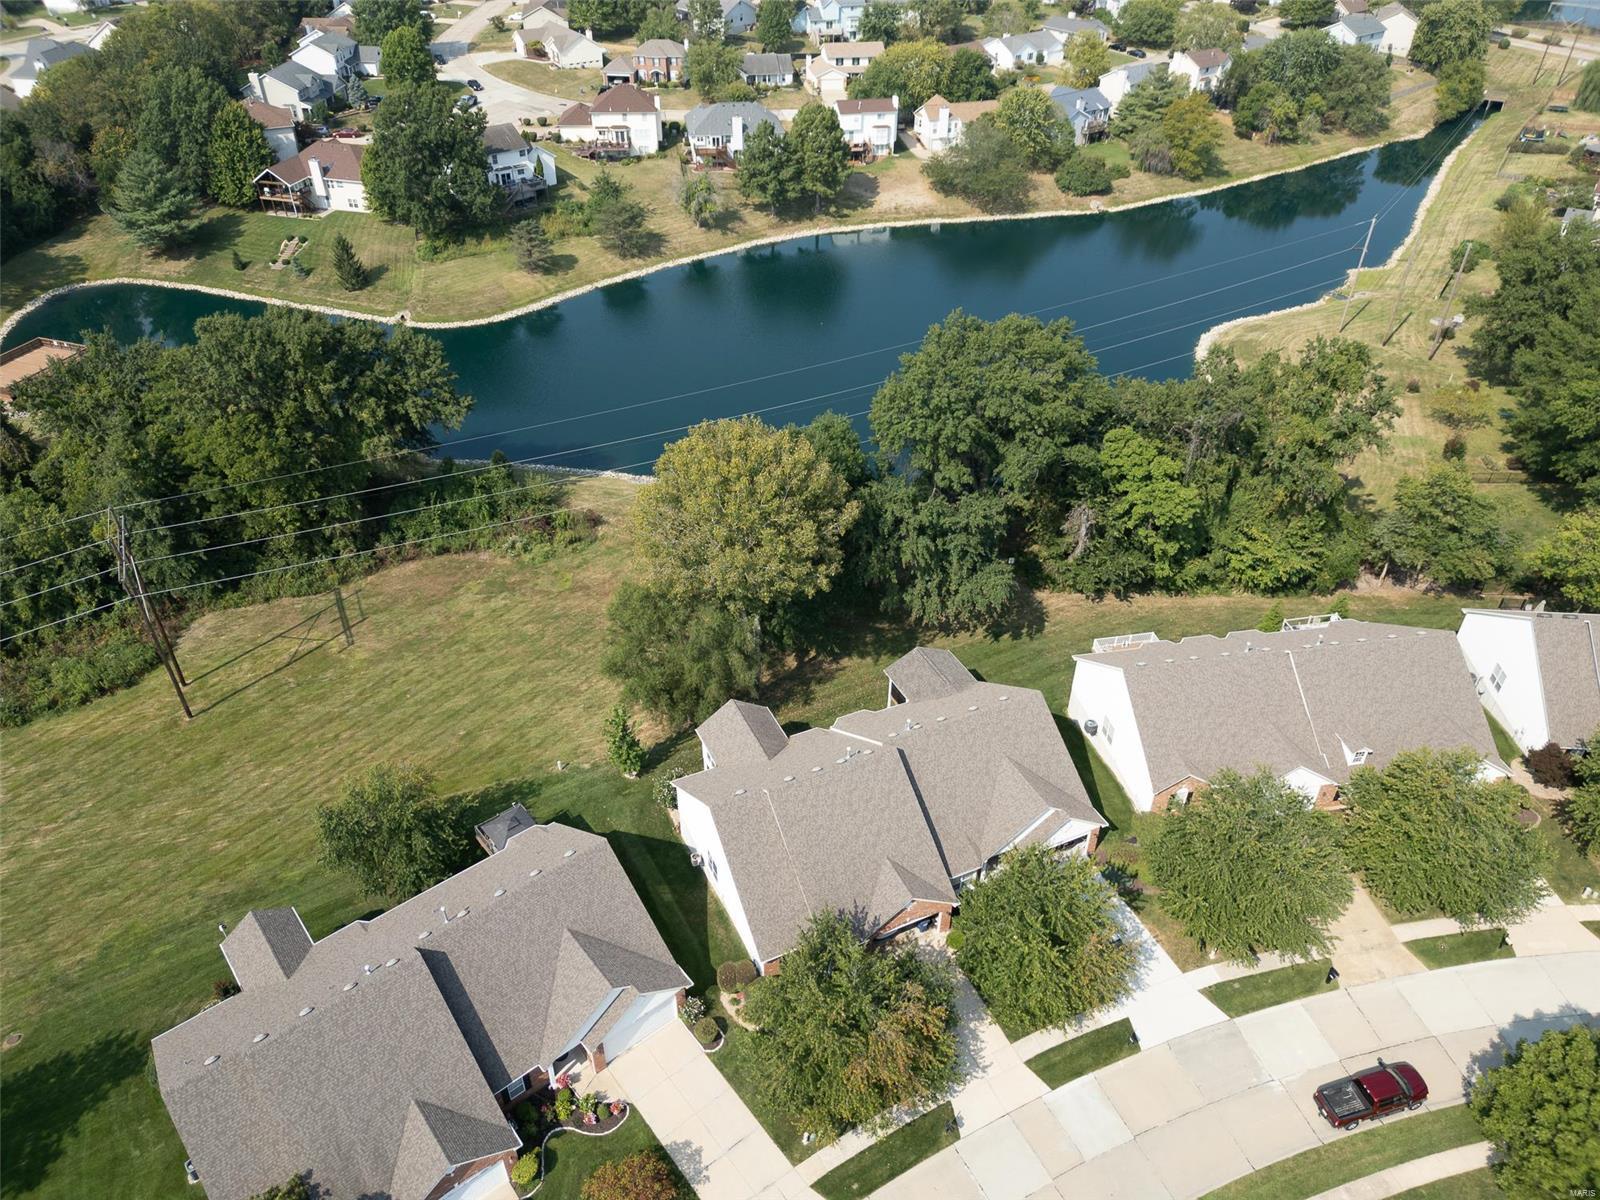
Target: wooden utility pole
[[1572, 44], [1356, 274], [1438, 337], [132, 583]]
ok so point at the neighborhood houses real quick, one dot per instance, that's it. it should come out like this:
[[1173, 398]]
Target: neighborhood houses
[[716, 132], [939, 124], [1537, 672], [325, 175]]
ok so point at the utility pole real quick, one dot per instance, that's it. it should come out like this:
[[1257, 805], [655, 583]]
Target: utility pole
[[132, 583], [1572, 44], [1438, 337], [1351, 294]]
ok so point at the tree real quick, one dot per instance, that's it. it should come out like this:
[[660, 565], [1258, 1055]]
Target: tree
[[774, 22], [1267, 108], [1151, 23], [622, 744], [1442, 529], [406, 57], [607, 18], [1540, 1110], [821, 161], [1306, 14], [1208, 26], [1282, 895], [393, 832], [239, 152], [679, 662], [352, 272], [847, 1033], [376, 19], [967, 76], [766, 172], [984, 168], [697, 196], [1149, 504], [1460, 88], [1146, 104], [425, 166], [1568, 562], [1088, 57], [1580, 812], [178, 116], [153, 204], [880, 21], [1193, 135], [1035, 126], [713, 65], [532, 246], [1428, 834], [745, 515], [1084, 175], [1356, 95], [1003, 18], [642, 1175], [707, 21], [660, 22], [1451, 31], [1041, 942], [298, 1188], [616, 219], [1588, 95], [914, 71], [941, 19]]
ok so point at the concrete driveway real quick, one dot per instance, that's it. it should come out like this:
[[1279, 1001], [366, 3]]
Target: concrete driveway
[[502, 101], [1182, 1118]]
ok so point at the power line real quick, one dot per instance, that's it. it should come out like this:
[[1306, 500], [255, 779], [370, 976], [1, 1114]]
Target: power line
[[52, 557]]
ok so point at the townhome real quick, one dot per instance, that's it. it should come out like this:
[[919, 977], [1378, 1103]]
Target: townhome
[[869, 126], [738, 16], [1023, 50], [522, 169], [293, 86], [1119, 81], [940, 124], [1310, 703], [1087, 110], [569, 50], [380, 1060], [626, 121], [767, 70], [883, 816], [326, 175], [1538, 673], [1399, 27], [278, 126], [830, 20], [1203, 69], [828, 72], [716, 132], [38, 56], [1358, 29], [1064, 29]]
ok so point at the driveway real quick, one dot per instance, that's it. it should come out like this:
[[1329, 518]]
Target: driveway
[[1179, 1119], [501, 100]]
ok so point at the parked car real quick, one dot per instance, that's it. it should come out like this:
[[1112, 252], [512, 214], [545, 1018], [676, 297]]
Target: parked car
[[467, 101], [1119, 47], [347, 133], [1383, 1089], [475, 85], [1135, 52]]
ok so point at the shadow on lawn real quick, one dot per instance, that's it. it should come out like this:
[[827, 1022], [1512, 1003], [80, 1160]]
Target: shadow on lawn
[[41, 1105]]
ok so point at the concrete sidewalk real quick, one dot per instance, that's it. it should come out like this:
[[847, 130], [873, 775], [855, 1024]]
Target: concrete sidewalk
[[1406, 1176]]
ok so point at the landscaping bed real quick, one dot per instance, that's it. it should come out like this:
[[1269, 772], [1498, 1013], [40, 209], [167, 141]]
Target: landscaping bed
[[1474, 945], [891, 1156], [1085, 1053], [1264, 989]]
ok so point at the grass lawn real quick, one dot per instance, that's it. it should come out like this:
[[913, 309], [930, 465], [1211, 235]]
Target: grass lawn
[[1593, 927], [739, 1066], [1355, 1156], [1473, 1185], [1084, 1053], [1475, 945], [1504, 744], [1570, 870], [891, 1157], [571, 1157], [580, 84], [1267, 988]]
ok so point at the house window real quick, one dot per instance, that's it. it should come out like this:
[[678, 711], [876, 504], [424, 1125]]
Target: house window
[[518, 1086], [1105, 728], [711, 865], [1358, 757], [1497, 677]]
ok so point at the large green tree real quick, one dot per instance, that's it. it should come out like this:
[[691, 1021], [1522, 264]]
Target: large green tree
[[1151, 23], [967, 76], [426, 165], [1148, 504], [913, 71], [393, 831], [607, 18], [820, 159], [1540, 1109], [880, 21], [239, 152], [712, 65], [1191, 131], [1441, 529], [984, 168], [1249, 866], [1451, 31], [1428, 834], [1041, 942], [406, 58], [680, 662], [1460, 88], [153, 203], [179, 116], [1568, 561], [766, 173], [1087, 58], [1035, 126], [1147, 102], [377, 19], [847, 1034], [1303, 14], [774, 22], [1208, 26]]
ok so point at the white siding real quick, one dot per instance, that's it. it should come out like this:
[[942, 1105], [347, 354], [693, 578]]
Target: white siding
[[1307, 782], [491, 1184], [1489, 640], [1099, 692], [699, 831], [647, 1014]]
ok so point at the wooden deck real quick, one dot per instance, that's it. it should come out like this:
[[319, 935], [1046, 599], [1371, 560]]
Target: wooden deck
[[30, 358]]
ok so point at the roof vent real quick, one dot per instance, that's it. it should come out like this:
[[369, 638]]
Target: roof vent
[[814, 770], [533, 872], [367, 968], [350, 987], [307, 1011], [738, 791], [462, 913], [391, 962], [260, 1037], [424, 934], [568, 853], [788, 778], [1003, 699], [868, 750], [212, 1058], [499, 892], [972, 708]]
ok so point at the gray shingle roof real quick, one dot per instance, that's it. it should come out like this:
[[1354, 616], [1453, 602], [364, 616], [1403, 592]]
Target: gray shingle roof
[[301, 78], [266, 947], [768, 64], [40, 54], [1567, 646], [410, 1023], [1362, 24], [1287, 700], [741, 734], [716, 120], [1208, 58], [1072, 25], [498, 829], [928, 673]]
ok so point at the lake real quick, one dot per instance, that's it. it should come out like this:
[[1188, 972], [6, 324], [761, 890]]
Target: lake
[[816, 323]]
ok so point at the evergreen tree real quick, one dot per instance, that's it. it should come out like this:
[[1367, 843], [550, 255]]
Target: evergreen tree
[[774, 25], [660, 22], [180, 110], [532, 246], [153, 204], [766, 173], [815, 145], [239, 152], [1588, 97], [352, 272], [622, 744], [616, 219]]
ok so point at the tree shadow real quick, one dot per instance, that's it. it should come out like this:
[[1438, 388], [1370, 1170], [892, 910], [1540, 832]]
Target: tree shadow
[[41, 1105], [49, 271], [1024, 618], [376, 273], [216, 233], [1514, 1032], [860, 191], [1078, 749]]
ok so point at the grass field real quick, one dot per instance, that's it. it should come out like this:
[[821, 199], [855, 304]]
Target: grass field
[[1085, 1053], [1362, 1153], [1475, 945], [1473, 1185], [892, 1156], [580, 84], [1249, 993]]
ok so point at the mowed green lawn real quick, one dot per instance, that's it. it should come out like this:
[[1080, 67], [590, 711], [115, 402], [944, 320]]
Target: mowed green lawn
[[129, 834]]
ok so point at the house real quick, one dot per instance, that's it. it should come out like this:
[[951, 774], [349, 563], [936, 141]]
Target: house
[[658, 61], [98, 34], [1023, 50], [369, 61], [325, 175], [619, 70], [1064, 29], [940, 124], [716, 132], [1310, 703], [379, 1061], [1112, 8], [64, 8], [278, 125], [828, 73], [292, 86], [1358, 29], [575, 124], [1086, 109], [885, 814], [1399, 27], [1119, 81], [1203, 69], [571, 50], [523, 170], [38, 56], [869, 126], [829, 20], [768, 70], [540, 19], [1538, 673], [343, 24], [738, 16], [331, 55], [626, 121], [493, 834], [1349, 8]]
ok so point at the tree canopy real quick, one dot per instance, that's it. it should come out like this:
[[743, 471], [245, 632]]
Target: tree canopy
[[914, 71], [984, 168], [1151, 23], [773, 25], [1030, 118], [153, 203], [239, 152], [1568, 561], [680, 662], [1442, 529], [1540, 1109], [1450, 31], [393, 832], [820, 160], [377, 19], [406, 58], [1208, 26], [425, 167]]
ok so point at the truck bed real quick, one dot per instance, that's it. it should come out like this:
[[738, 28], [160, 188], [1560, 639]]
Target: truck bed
[[1345, 1098]]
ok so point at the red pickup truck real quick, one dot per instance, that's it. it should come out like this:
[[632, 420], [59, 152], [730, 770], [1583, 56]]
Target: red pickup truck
[[1385, 1088]]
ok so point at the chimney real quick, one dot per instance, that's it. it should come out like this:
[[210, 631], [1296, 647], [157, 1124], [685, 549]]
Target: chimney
[[588, 32], [736, 134], [319, 185], [255, 84], [657, 99]]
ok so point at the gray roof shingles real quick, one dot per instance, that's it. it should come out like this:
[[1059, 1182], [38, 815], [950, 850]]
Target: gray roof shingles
[[1568, 646], [741, 734], [716, 120]]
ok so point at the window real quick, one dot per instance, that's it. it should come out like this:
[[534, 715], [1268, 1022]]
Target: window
[[1105, 728], [518, 1086], [1359, 757], [1497, 677]]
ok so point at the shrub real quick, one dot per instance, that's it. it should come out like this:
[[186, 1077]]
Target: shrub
[[1413, 385], [1580, 814], [1084, 175], [565, 1102], [526, 1171], [239, 263], [221, 989], [622, 746], [1455, 447], [1271, 620], [1550, 766], [706, 1031], [737, 975], [663, 792], [692, 1010], [645, 1175], [954, 940], [1540, 1110], [1519, 32]]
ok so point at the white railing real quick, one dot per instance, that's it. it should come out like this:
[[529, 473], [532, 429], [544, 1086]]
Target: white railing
[[1123, 641]]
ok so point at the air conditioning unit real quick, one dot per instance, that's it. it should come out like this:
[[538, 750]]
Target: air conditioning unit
[[1091, 727], [696, 859]]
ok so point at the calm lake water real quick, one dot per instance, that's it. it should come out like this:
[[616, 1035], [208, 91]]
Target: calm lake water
[[816, 323]]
